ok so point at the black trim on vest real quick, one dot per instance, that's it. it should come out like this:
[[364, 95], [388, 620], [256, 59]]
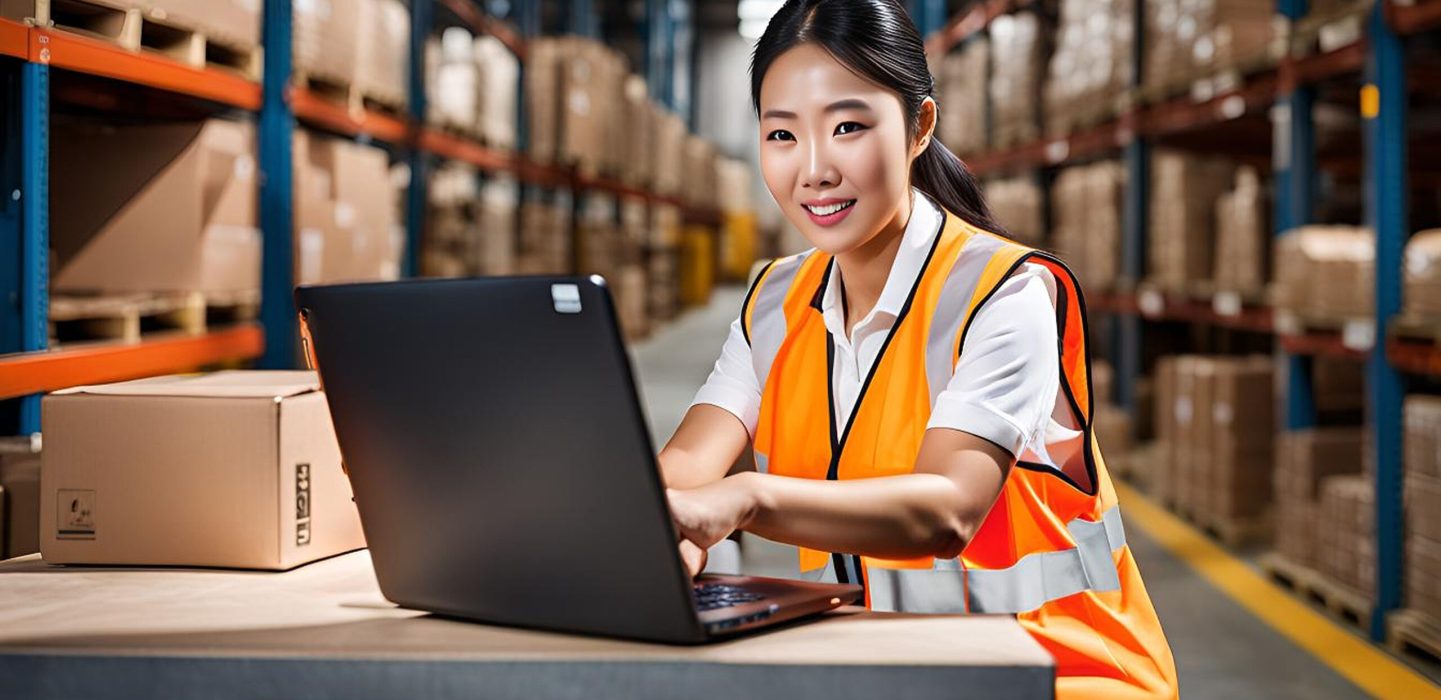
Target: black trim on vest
[[1088, 446], [819, 296], [750, 295]]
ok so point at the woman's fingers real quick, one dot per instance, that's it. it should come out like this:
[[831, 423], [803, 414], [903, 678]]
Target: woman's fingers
[[694, 557]]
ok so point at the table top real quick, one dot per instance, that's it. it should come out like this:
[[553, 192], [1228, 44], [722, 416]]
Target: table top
[[116, 630]]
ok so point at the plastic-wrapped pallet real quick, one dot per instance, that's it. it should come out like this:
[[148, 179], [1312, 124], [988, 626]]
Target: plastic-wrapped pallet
[[1184, 190], [698, 182], [455, 97], [499, 83], [1016, 204], [1090, 68], [1242, 236], [1189, 39], [962, 103], [381, 72], [1015, 75], [325, 39], [669, 152], [1325, 271], [1423, 274]]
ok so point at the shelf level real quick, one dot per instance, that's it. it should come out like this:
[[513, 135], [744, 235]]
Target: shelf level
[[971, 22], [317, 111], [81, 54], [480, 23], [14, 39], [38, 372]]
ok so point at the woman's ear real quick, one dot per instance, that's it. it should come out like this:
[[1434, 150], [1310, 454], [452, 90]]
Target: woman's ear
[[926, 126]]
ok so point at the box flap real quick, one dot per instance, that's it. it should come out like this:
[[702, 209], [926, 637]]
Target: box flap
[[227, 384]]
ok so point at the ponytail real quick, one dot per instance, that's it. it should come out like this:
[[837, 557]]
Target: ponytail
[[942, 175]]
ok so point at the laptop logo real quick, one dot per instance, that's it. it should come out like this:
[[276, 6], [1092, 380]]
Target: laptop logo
[[566, 298]]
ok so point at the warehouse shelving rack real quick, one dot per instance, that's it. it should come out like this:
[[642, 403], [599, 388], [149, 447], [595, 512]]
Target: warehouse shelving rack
[[28, 55], [1379, 58]]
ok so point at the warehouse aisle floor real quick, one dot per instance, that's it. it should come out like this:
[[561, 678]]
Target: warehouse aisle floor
[[1221, 650]]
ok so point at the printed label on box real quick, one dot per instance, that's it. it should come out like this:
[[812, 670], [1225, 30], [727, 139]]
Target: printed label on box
[[302, 505], [75, 514]]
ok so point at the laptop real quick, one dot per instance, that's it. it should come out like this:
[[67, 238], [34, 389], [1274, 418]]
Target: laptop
[[502, 466]]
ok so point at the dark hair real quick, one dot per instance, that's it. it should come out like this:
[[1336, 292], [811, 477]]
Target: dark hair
[[878, 40]]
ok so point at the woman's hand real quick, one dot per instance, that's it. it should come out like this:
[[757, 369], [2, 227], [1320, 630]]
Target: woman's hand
[[706, 515]]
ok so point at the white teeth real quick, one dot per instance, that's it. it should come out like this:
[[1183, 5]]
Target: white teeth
[[829, 208]]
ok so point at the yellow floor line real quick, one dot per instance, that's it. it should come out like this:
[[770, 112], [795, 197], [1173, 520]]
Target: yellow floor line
[[1357, 660]]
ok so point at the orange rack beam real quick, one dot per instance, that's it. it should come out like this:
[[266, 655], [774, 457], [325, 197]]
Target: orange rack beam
[[14, 39], [85, 55], [457, 148], [336, 117], [35, 372]]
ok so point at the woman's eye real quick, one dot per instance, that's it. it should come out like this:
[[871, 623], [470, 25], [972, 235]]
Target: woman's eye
[[780, 135], [848, 127]]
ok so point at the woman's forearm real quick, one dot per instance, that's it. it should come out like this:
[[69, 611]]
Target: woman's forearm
[[893, 517]]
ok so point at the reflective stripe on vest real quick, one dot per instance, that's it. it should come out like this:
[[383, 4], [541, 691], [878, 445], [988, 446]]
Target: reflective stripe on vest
[[768, 319], [1032, 581], [951, 310]]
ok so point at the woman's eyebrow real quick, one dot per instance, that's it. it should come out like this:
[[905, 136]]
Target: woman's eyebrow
[[836, 106]]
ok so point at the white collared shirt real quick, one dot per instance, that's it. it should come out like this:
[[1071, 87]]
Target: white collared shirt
[[1006, 383]]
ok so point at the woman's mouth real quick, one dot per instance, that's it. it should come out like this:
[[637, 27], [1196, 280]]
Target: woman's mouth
[[830, 213]]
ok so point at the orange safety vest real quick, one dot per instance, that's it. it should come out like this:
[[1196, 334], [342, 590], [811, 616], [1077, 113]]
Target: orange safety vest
[[1052, 550]]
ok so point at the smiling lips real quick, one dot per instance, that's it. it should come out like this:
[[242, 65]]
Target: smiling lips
[[828, 212]]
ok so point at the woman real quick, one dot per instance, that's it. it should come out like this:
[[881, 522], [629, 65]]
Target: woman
[[915, 388]]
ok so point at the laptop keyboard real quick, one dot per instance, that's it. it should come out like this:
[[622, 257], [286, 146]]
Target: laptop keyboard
[[709, 596]]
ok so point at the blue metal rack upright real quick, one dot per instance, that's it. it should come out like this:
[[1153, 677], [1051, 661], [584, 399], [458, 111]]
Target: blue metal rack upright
[[276, 137], [24, 222], [1383, 109], [1294, 146]]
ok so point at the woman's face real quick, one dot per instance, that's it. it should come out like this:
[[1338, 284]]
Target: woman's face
[[834, 150]]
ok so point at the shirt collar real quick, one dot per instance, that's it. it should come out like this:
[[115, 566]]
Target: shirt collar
[[921, 231]]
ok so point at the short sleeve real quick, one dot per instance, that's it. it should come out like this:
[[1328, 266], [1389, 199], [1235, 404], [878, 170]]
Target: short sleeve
[[1005, 383], [732, 384]]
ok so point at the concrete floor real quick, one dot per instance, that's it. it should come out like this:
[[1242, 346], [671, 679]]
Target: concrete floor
[[1221, 650]]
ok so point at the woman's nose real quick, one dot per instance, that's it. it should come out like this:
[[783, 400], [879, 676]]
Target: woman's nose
[[819, 172]]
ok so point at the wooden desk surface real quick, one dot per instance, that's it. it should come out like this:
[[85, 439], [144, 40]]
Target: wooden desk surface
[[324, 630]]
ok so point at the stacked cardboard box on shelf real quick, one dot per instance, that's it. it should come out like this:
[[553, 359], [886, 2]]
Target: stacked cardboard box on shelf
[[326, 32], [154, 207], [1186, 39], [382, 70], [470, 226], [1215, 422], [669, 153], [1016, 204], [1090, 69], [1325, 271], [1016, 66], [962, 91], [232, 23], [453, 80], [1423, 275], [637, 135], [1243, 236], [1305, 459], [1112, 424], [545, 241], [1422, 460], [1086, 206], [664, 262], [1181, 235], [1346, 532], [698, 179], [346, 220]]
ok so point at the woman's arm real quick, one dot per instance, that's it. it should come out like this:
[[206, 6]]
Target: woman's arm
[[931, 512], [707, 443]]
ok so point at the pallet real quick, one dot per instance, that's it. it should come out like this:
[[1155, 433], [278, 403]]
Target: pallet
[[1417, 326], [128, 317], [1237, 533], [1413, 629], [134, 30], [1342, 601], [344, 91]]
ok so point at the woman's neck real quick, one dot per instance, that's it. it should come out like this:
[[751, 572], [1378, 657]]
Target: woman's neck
[[865, 269]]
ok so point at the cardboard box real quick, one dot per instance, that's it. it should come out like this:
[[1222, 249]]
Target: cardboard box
[[1423, 575], [346, 219], [382, 71], [1423, 274], [1422, 436], [20, 501], [1423, 507], [499, 89], [1015, 78], [962, 97], [232, 469], [155, 207], [234, 23], [1184, 191], [1243, 235], [325, 38], [1326, 271]]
